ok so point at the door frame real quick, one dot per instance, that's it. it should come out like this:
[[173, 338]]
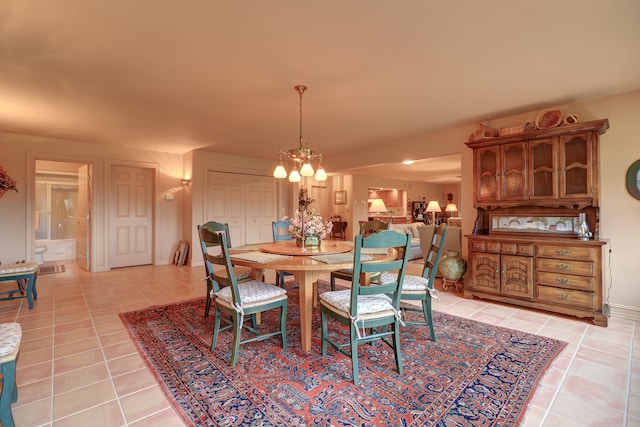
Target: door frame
[[31, 194], [154, 167]]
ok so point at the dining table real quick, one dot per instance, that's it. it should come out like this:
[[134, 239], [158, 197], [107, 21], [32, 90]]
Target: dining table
[[306, 264]]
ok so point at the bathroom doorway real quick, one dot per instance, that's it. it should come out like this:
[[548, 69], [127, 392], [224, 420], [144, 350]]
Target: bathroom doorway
[[62, 200]]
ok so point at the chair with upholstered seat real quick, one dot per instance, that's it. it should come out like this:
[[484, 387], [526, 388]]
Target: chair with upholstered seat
[[366, 228], [281, 233], [219, 275], [374, 307], [10, 338], [241, 299], [421, 288]]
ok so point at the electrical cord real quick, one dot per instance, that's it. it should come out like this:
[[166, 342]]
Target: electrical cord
[[610, 273]]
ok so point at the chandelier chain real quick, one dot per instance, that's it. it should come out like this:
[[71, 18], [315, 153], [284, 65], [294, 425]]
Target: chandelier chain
[[301, 89]]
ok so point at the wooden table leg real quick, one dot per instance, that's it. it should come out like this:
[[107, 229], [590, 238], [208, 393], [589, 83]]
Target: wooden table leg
[[305, 281]]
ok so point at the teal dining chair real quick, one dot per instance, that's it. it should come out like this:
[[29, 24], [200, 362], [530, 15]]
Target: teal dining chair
[[366, 228], [219, 275], [241, 299], [375, 307], [421, 288], [10, 338], [281, 233]]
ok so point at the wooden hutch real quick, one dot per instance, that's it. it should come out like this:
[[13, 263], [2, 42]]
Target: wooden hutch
[[529, 191]]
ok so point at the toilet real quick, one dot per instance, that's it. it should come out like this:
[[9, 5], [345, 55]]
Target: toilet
[[39, 251]]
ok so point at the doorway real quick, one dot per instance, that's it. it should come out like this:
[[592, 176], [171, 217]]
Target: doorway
[[62, 211]]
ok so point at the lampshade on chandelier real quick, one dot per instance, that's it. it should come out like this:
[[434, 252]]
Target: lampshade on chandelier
[[300, 156]]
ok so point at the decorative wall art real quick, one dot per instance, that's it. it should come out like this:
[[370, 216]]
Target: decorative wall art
[[633, 179], [340, 197]]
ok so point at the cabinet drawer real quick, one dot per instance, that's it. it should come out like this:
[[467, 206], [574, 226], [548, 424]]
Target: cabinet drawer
[[525, 250], [584, 283], [566, 266], [510, 248], [583, 253], [478, 245], [568, 297], [493, 247], [513, 248]]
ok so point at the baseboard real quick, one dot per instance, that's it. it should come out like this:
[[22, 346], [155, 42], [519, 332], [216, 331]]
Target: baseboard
[[624, 312]]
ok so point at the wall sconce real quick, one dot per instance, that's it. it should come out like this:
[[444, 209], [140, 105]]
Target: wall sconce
[[186, 182]]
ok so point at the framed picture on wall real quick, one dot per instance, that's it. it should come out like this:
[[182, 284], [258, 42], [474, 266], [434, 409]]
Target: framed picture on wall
[[340, 197], [633, 179]]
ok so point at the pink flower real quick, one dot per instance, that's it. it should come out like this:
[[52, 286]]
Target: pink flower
[[314, 225]]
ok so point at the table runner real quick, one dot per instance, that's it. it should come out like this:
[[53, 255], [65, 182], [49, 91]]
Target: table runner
[[260, 257]]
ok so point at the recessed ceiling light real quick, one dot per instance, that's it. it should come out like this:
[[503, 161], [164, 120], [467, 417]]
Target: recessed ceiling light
[[407, 162]]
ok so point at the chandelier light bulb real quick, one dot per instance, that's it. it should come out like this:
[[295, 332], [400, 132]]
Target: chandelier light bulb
[[321, 175], [307, 169], [294, 176], [280, 171]]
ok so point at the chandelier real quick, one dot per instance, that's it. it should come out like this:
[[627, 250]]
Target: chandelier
[[301, 156]]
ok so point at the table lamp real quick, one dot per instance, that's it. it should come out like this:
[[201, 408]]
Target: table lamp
[[451, 208], [432, 208], [377, 206]]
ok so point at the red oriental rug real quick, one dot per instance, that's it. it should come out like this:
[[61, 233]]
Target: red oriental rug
[[474, 375]]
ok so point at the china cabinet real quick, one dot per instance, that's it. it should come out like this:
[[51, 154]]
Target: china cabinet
[[531, 190], [555, 167]]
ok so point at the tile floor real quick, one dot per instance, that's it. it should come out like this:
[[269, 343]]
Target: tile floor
[[78, 367]]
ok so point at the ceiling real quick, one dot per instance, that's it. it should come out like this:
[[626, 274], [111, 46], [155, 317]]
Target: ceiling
[[179, 75]]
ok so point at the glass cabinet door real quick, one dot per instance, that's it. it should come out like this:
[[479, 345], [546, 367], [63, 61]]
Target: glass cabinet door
[[488, 174], [575, 166], [514, 178], [543, 176]]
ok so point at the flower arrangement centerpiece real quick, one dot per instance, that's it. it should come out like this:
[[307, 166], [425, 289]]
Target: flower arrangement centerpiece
[[309, 229], [6, 182]]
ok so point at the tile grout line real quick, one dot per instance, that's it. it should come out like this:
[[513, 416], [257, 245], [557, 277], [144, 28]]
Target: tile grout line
[[104, 358]]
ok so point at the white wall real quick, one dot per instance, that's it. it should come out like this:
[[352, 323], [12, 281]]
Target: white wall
[[18, 154]]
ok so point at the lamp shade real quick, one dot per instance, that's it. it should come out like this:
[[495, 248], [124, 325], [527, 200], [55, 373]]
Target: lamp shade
[[434, 206], [294, 176], [451, 207], [377, 206]]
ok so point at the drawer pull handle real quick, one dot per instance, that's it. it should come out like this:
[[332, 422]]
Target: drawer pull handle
[[564, 281], [564, 266], [563, 296], [564, 251]]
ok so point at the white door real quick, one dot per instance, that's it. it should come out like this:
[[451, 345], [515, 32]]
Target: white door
[[131, 216], [235, 209], [246, 202], [83, 230], [225, 203], [261, 208]]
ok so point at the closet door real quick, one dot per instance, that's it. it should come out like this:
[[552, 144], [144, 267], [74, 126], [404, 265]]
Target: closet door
[[261, 209], [246, 202], [226, 203]]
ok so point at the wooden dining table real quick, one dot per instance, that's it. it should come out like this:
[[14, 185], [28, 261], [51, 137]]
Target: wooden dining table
[[306, 270]]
